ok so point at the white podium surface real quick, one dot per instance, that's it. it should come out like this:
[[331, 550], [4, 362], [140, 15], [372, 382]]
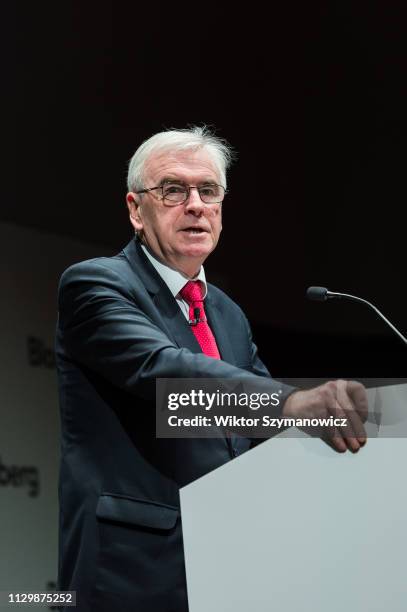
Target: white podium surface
[[293, 526]]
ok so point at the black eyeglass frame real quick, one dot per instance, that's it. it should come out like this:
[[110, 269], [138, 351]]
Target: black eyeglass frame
[[188, 192]]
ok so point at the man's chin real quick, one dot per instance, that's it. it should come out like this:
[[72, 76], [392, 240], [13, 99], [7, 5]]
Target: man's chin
[[196, 251]]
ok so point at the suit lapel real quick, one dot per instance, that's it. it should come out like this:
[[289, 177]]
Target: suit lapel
[[216, 323], [169, 314], [175, 320]]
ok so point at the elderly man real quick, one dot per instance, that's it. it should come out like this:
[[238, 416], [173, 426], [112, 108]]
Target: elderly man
[[123, 322]]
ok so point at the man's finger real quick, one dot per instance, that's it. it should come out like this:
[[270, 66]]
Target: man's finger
[[358, 395], [348, 407], [334, 439], [339, 406]]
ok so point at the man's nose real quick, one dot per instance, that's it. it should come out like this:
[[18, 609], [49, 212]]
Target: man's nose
[[194, 202]]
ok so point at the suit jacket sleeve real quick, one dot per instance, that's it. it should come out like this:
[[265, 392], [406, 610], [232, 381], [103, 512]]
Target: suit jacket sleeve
[[105, 326]]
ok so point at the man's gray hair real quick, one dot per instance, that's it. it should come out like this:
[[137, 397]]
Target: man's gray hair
[[192, 138]]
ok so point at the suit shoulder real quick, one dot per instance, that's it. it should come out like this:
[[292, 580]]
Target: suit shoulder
[[223, 301], [117, 263], [97, 269]]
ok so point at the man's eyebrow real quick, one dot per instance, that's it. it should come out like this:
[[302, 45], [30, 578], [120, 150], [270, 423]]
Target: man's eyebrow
[[170, 179], [175, 179]]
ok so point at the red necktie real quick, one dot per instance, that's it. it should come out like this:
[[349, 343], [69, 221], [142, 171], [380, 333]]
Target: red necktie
[[192, 294]]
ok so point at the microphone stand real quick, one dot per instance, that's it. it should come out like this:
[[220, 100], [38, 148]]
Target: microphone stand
[[321, 294]]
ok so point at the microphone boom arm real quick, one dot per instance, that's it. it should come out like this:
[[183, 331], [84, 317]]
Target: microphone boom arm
[[322, 294]]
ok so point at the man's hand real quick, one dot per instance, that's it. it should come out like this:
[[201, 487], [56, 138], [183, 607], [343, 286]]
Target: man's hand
[[341, 399]]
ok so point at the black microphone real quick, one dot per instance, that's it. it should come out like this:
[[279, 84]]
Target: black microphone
[[196, 319], [321, 294]]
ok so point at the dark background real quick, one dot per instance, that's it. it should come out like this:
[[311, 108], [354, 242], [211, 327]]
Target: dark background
[[311, 95]]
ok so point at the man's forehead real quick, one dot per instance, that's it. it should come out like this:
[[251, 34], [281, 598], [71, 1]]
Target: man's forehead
[[178, 163]]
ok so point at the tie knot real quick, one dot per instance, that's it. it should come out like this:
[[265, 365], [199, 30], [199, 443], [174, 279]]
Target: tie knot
[[192, 292]]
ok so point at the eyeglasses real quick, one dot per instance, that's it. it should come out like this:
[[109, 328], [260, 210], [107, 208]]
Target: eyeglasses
[[178, 192]]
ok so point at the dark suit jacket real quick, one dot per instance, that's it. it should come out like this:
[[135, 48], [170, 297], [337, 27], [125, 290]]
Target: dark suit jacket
[[119, 329]]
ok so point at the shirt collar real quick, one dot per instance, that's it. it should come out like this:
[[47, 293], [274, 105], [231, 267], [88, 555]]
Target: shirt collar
[[174, 279]]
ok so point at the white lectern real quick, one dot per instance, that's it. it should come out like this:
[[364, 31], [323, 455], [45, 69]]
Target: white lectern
[[292, 526]]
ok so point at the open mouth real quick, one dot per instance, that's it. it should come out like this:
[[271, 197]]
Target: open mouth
[[194, 230]]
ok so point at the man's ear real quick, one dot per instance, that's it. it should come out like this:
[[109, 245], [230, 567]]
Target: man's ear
[[133, 204]]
